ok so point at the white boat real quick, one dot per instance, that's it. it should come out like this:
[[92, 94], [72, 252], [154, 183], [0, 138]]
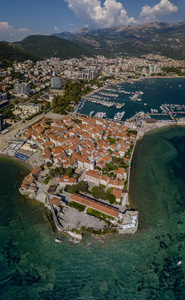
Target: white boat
[[58, 241], [73, 240], [100, 115], [179, 263], [136, 95], [91, 113], [119, 115]]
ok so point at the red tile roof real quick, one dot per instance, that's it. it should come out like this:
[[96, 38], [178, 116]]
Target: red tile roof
[[35, 171], [112, 211], [54, 200], [117, 193]]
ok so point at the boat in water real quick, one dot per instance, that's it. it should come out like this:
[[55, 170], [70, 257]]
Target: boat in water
[[91, 113], [58, 241], [136, 95], [118, 116], [100, 115], [73, 240], [179, 262]]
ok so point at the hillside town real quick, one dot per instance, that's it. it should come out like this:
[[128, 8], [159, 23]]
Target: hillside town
[[40, 75], [42, 71]]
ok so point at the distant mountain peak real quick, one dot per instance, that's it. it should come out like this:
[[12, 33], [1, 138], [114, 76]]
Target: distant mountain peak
[[161, 38], [83, 30]]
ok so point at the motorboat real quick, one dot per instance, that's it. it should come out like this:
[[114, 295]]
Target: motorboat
[[58, 241]]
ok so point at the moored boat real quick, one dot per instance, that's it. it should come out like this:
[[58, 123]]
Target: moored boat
[[58, 241]]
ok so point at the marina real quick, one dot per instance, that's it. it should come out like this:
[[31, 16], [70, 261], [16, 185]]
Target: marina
[[104, 103], [136, 97]]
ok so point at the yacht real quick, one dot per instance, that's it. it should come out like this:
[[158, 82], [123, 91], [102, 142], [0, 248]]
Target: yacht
[[58, 241], [119, 115], [100, 115]]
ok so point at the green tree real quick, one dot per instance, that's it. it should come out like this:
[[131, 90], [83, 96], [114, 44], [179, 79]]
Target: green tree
[[71, 188], [69, 171], [111, 198], [98, 192], [82, 186]]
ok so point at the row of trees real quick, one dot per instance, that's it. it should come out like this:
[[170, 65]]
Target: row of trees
[[77, 188], [97, 192]]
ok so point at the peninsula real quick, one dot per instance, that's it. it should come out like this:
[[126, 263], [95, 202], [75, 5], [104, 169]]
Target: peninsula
[[80, 164], [82, 175]]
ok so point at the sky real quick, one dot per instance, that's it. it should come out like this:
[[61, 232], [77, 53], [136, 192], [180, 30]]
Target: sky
[[21, 18]]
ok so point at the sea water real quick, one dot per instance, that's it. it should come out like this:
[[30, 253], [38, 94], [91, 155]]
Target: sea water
[[157, 91], [140, 266]]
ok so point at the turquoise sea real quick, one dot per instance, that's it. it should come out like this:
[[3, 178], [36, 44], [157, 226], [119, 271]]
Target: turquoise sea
[[140, 266]]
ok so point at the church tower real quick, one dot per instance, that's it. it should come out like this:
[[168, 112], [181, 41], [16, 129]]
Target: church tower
[[92, 163]]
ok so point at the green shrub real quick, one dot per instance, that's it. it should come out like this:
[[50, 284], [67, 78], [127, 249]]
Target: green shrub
[[71, 188], [47, 179], [78, 206], [111, 198], [98, 214]]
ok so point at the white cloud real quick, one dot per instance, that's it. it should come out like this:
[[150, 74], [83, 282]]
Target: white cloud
[[165, 7], [10, 33], [4, 26], [92, 13], [23, 29]]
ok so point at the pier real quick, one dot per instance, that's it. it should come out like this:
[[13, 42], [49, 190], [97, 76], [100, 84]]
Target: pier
[[166, 114], [105, 103]]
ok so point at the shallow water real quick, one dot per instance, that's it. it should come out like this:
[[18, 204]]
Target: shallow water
[[142, 266]]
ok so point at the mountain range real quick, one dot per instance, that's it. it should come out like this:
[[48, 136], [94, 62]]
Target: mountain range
[[37, 47], [134, 40]]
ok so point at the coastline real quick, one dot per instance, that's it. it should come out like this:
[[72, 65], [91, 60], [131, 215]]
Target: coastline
[[27, 165], [145, 131], [37, 235], [138, 140]]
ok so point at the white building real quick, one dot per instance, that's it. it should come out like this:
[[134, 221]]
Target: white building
[[22, 89]]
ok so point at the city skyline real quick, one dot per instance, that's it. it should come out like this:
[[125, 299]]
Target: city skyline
[[20, 19]]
